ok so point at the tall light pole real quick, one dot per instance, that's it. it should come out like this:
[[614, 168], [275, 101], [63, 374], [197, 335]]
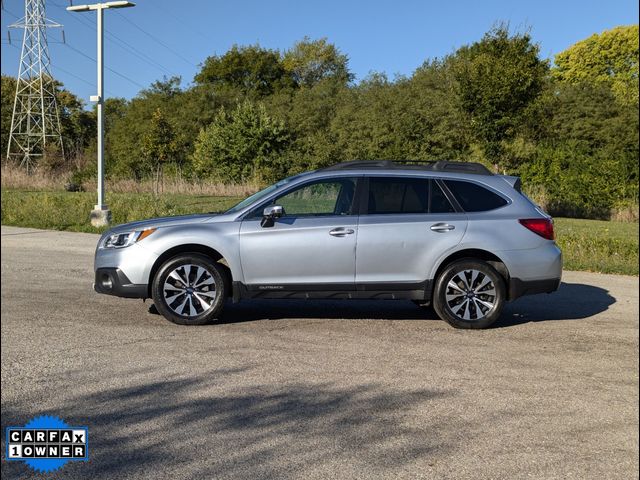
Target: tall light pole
[[100, 215]]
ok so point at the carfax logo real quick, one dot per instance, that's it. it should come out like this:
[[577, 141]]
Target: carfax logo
[[47, 443]]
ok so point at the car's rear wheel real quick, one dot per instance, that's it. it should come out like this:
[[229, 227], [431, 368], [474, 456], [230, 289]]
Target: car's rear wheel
[[469, 293], [190, 289]]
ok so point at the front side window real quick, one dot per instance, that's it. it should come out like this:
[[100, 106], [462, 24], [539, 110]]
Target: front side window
[[473, 197], [325, 197], [256, 197], [396, 195]]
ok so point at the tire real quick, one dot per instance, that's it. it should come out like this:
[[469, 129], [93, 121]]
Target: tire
[[190, 289], [469, 293]]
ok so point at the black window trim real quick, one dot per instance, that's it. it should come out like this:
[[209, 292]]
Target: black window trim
[[447, 193], [451, 196], [364, 196], [355, 207]]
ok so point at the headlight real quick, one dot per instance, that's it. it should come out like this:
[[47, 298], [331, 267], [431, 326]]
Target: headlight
[[121, 240]]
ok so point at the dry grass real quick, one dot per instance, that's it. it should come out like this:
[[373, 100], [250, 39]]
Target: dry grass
[[539, 196], [17, 178], [627, 212], [178, 185]]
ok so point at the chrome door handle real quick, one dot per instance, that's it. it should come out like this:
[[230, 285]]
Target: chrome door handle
[[442, 227], [341, 232]]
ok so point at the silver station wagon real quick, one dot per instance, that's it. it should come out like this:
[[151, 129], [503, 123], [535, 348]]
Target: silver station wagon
[[450, 234]]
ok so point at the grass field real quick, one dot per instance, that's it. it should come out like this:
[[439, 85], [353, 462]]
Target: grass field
[[69, 211], [598, 246], [592, 245]]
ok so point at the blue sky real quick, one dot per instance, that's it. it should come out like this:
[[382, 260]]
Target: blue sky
[[173, 37]]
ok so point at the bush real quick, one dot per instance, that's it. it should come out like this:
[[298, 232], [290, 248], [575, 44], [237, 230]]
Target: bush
[[243, 145], [573, 183]]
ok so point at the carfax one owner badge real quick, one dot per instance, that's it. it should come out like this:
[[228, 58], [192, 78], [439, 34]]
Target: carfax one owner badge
[[47, 443]]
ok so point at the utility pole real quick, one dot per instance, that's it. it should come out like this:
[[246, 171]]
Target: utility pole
[[100, 215], [35, 122]]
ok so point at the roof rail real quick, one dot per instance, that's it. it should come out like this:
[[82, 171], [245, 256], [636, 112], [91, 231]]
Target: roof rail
[[461, 167], [433, 166], [361, 164]]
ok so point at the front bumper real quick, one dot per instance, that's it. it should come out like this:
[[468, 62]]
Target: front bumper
[[112, 281], [123, 272]]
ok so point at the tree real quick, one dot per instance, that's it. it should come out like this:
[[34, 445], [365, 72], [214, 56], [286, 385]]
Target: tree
[[241, 145], [408, 118], [159, 145], [128, 124], [311, 61], [78, 125], [609, 58], [7, 94], [588, 113], [167, 87], [250, 70], [497, 79]]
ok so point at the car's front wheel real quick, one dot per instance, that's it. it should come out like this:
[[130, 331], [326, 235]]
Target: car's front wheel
[[469, 293], [190, 289]]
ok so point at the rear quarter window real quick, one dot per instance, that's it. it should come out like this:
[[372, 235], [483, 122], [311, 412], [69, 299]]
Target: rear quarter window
[[473, 197]]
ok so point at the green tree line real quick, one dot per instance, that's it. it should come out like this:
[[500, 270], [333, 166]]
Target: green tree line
[[568, 128]]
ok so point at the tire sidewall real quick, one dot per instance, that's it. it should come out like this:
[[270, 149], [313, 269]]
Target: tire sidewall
[[195, 259], [440, 302]]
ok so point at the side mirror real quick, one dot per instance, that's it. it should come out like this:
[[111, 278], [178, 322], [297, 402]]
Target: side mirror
[[270, 214]]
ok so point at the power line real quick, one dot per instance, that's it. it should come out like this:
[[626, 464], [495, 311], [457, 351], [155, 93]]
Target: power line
[[123, 44], [182, 21], [108, 68], [156, 39], [10, 13], [56, 67], [141, 55]]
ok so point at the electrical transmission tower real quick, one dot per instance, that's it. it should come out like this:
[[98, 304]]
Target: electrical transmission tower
[[35, 123]]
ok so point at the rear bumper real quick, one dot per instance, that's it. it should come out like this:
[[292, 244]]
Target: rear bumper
[[534, 270], [112, 281], [518, 288]]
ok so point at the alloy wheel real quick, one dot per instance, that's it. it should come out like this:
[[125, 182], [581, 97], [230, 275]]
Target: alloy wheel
[[189, 290], [471, 295]]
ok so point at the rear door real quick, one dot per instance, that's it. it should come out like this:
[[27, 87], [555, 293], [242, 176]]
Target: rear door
[[407, 224]]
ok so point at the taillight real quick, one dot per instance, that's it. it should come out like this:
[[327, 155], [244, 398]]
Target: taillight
[[541, 226]]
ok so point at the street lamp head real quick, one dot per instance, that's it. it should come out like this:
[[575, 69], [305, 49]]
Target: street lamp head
[[96, 6], [119, 4], [78, 8]]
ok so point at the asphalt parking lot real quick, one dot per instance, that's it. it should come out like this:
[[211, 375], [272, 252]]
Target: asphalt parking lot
[[322, 390]]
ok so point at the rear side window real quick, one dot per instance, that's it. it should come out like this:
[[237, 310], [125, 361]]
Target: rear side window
[[439, 203], [405, 195], [474, 198]]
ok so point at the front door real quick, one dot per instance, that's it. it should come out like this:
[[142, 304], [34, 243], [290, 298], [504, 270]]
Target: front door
[[312, 244]]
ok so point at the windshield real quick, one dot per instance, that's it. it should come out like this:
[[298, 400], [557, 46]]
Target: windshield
[[256, 197]]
